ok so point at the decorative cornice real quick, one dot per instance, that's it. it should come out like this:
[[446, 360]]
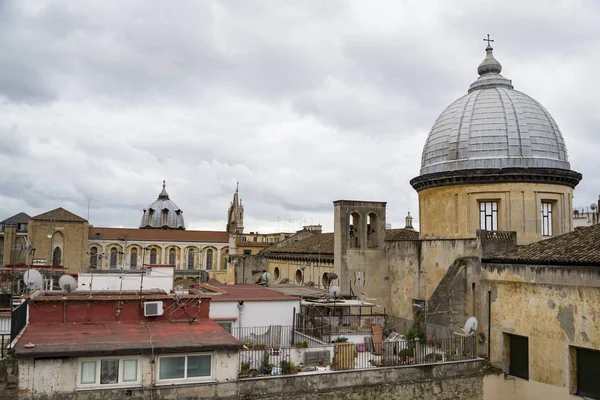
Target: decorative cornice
[[493, 175]]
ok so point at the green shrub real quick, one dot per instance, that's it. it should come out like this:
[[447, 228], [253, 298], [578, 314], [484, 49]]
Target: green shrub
[[408, 352]]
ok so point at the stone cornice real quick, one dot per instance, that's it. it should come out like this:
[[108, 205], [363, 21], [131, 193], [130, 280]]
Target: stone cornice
[[493, 175]]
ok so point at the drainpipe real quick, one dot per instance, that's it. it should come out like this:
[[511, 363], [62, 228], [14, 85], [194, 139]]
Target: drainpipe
[[240, 309], [489, 322]]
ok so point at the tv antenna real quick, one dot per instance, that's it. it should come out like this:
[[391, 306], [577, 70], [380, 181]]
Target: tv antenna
[[67, 283]]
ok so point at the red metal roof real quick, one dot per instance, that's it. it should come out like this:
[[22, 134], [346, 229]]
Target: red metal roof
[[113, 338], [248, 293]]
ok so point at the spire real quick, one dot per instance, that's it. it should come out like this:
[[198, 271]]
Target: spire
[[489, 65], [163, 194], [489, 72], [237, 187]]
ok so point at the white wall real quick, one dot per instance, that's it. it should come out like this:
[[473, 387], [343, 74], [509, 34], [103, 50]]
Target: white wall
[[52, 376], [158, 278], [256, 313]]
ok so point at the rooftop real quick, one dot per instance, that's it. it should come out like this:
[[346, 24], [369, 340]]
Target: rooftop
[[113, 338], [59, 215], [168, 235], [579, 247], [246, 292], [20, 218], [318, 243], [401, 234]]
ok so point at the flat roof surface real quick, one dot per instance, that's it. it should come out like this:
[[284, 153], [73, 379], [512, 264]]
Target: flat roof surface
[[249, 292], [113, 338]]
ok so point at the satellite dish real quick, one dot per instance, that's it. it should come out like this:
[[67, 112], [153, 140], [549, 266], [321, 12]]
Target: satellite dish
[[470, 326], [67, 283], [49, 236], [335, 291], [266, 277], [303, 267], [33, 279], [332, 276]]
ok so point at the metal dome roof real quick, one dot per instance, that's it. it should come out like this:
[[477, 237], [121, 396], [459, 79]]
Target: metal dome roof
[[493, 126], [163, 213]]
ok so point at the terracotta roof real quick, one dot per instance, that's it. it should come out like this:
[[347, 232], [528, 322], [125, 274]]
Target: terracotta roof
[[318, 243], [580, 247], [59, 214], [401, 234], [249, 292], [254, 244], [168, 235], [20, 218], [91, 339]]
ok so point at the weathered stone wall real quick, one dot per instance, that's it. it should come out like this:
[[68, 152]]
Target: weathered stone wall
[[456, 381], [248, 269], [556, 307], [74, 243]]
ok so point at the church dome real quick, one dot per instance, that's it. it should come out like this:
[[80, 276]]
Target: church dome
[[163, 213], [493, 126]]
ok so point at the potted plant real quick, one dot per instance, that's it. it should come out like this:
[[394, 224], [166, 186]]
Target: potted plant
[[293, 368], [341, 339], [301, 345]]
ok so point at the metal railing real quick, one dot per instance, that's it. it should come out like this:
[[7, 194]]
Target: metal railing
[[18, 319], [4, 342], [350, 356], [264, 337], [325, 328]]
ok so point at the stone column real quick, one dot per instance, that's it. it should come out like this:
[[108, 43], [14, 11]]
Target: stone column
[[219, 259]]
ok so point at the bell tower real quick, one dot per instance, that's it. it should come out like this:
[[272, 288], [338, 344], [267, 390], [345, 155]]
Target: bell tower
[[235, 214]]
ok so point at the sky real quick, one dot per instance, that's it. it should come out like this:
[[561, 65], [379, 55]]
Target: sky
[[302, 102]]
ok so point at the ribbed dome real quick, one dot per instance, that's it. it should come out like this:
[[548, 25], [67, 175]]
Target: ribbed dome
[[163, 213], [493, 126]]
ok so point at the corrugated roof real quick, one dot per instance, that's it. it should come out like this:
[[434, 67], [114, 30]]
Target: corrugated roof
[[91, 339], [20, 218], [168, 235], [580, 247], [401, 234], [249, 292], [59, 214]]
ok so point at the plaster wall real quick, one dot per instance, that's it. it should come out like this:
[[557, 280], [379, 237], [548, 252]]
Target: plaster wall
[[448, 381], [555, 314], [287, 269], [501, 387], [256, 313], [453, 211], [159, 278], [57, 377]]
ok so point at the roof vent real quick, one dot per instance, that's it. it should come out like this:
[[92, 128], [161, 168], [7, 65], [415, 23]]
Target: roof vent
[[153, 308]]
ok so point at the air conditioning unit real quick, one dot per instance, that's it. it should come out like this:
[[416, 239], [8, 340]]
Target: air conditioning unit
[[153, 308]]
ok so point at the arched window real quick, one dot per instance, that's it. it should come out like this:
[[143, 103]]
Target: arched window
[[372, 226], [133, 259], [299, 276], [153, 256], [172, 257], [276, 273], [209, 259], [56, 256], [113, 258], [191, 259], [165, 217], [93, 257]]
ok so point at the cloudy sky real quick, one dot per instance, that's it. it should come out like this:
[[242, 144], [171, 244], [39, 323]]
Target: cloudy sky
[[302, 102]]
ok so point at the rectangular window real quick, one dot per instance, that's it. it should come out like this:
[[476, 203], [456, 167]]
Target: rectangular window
[[546, 219], [225, 325], [588, 371], [247, 252], [488, 215], [109, 372], [518, 356], [193, 367]]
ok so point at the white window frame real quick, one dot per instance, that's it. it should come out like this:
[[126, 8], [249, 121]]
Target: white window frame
[[185, 379], [490, 213], [226, 322], [98, 361], [546, 219]]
